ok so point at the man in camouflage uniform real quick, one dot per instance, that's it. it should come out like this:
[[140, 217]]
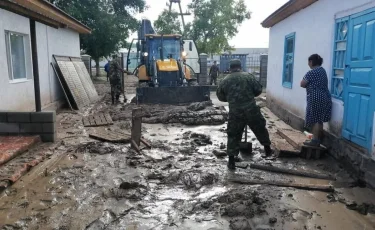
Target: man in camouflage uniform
[[214, 73], [115, 78], [239, 89]]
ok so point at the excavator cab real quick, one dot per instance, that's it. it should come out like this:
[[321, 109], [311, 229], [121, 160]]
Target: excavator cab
[[162, 68]]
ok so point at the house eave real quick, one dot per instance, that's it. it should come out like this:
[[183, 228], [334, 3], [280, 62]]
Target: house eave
[[44, 12], [288, 9]]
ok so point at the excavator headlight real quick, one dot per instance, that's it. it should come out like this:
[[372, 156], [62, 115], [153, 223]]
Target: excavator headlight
[[184, 53], [145, 54]]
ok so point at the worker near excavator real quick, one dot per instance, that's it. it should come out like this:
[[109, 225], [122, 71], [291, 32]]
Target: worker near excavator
[[115, 78], [239, 89], [214, 73]]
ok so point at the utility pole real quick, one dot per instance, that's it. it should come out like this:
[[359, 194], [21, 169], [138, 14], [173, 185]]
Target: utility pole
[[181, 14]]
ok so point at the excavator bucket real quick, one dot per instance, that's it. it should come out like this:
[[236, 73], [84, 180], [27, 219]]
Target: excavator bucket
[[173, 95]]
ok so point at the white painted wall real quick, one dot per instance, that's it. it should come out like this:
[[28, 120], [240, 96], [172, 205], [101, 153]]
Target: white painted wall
[[14, 96], [314, 28], [51, 41]]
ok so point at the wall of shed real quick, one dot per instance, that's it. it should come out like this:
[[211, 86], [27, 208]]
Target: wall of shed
[[51, 41]]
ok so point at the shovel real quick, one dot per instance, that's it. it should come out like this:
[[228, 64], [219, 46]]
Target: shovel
[[246, 147]]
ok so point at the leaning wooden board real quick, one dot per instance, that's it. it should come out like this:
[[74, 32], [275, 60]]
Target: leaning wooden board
[[76, 81], [84, 76]]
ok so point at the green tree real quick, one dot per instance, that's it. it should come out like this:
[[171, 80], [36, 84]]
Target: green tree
[[215, 23], [168, 23], [111, 21]]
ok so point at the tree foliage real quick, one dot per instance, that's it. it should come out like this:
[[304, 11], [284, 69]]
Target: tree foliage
[[168, 23], [215, 23], [111, 21]]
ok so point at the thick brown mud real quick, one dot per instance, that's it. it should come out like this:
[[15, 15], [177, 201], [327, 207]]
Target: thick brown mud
[[181, 183]]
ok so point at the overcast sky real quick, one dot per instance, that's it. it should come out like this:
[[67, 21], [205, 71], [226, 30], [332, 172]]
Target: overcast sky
[[251, 33]]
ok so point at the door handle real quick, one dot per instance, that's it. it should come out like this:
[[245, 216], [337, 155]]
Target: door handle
[[347, 66]]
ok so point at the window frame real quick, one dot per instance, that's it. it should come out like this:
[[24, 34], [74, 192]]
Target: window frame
[[285, 83], [335, 52], [27, 56]]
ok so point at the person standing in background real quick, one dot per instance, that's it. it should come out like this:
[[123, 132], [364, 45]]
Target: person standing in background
[[106, 69], [214, 73]]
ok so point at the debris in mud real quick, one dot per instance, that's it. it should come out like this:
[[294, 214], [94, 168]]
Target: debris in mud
[[272, 220], [191, 179], [95, 147], [198, 139], [364, 208], [199, 105], [219, 154], [240, 224], [331, 198], [236, 203], [167, 114]]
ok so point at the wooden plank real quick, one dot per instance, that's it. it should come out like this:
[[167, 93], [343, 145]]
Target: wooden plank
[[136, 128], [92, 121], [110, 136], [98, 120], [85, 121], [108, 118], [145, 143], [317, 187], [292, 172]]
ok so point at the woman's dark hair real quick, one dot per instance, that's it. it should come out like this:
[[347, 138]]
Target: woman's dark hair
[[316, 60]]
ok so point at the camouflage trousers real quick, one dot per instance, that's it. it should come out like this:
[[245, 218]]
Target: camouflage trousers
[[116, 90], [238, 119]]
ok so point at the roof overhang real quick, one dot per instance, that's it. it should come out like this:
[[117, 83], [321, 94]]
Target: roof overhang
[[44, 12], [285, 11]]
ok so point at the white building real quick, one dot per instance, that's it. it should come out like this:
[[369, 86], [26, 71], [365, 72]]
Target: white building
[[56, 33], [343, 33]]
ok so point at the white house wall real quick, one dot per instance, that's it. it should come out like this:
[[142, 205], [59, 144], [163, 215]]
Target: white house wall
[[13, 96], [51, 41], [314, 28]]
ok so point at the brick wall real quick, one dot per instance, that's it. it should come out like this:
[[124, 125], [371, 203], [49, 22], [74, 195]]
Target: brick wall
[[29, 123]]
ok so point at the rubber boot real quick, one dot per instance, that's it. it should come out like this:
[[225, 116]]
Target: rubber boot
[[267, 151], [231, 163], [113, 99], [117, 98]]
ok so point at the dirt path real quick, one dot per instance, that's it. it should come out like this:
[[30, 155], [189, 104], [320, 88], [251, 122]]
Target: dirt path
[[179, 184]]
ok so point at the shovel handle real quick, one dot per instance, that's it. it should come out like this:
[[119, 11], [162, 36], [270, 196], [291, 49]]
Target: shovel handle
[[245, 133]]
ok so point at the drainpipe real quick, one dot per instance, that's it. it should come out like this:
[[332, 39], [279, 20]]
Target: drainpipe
[[34, 54]]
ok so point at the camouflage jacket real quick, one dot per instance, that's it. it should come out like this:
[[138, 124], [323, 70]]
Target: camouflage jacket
[[115, 72], [239, 89]]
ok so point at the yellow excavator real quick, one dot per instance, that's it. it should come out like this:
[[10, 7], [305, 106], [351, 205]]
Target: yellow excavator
[[167, 68]]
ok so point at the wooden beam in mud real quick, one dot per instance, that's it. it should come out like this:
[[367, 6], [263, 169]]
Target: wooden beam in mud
[[315, 187], [292, 172], [136, 128], [145, 143]]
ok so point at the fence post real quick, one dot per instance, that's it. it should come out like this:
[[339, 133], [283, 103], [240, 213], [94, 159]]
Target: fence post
[[263, 70], [203, 76]]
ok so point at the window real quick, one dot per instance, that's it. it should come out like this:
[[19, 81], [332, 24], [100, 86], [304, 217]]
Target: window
[[289, 47], [19, 61], [339, 55]]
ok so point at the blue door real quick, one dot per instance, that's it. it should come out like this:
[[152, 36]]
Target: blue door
[[360, 81]]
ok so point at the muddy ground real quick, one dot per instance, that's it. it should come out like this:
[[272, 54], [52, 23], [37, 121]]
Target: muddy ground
[[181, 183]]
